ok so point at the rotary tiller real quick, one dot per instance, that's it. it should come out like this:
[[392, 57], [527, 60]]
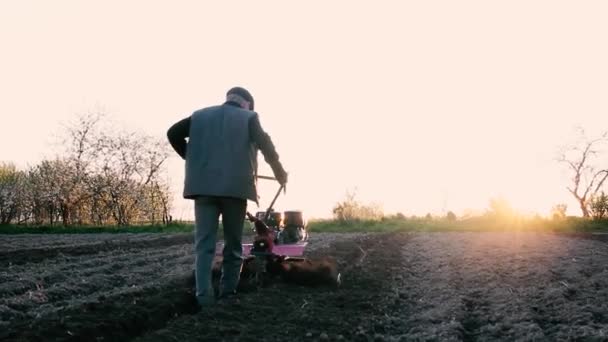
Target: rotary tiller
[[278, 248]]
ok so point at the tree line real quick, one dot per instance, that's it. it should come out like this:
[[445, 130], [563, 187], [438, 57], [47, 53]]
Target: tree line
[[103, 176]]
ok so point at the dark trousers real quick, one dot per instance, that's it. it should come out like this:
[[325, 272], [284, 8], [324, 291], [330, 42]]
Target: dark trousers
[[207, 210]]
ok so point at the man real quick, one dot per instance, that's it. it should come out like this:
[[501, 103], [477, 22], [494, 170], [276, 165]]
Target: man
[[221, 165]]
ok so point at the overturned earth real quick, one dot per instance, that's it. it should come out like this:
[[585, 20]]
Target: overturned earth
[[395, 286]]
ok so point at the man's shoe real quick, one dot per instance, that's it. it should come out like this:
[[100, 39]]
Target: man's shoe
[[229, 298], [205, 302]]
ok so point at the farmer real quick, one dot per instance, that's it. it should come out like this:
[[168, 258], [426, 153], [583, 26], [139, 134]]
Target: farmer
[[221, 164]]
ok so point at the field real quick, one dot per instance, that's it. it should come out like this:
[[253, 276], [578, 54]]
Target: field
[[452, 286]]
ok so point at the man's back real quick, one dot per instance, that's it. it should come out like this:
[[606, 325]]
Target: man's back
[[221, 154]]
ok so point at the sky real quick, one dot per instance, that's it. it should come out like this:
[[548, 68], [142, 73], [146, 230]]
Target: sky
[[421, 106]]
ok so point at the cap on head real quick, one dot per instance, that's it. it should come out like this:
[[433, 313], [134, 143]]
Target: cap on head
[[242, 92]]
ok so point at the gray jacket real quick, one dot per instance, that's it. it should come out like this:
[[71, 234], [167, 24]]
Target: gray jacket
[[221, 153]]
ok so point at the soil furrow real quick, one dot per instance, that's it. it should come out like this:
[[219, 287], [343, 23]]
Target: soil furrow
[[422, 286], [28, 241], [497, 286], [285, 312], [31, 277], [113, 318], [32, 255]]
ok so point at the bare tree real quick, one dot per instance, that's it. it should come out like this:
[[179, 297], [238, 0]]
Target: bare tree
[[82, 149], [132, 164], [583, 160]]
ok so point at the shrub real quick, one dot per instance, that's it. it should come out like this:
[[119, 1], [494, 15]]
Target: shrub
[[558, 212], [599, 206], [451, 216], [352, 210], [501, 208], [10, 195]]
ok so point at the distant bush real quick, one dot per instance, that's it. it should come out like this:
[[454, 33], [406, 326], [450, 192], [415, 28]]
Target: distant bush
[[451, 216], [351, 210], [501, 209], [558, 212], [394, 217], [10, 195], [599, 206]]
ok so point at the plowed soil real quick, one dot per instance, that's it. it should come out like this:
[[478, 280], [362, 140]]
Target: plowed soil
[[467, 286]]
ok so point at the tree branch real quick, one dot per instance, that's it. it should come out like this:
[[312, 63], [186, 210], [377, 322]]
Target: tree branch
[[601, 182]]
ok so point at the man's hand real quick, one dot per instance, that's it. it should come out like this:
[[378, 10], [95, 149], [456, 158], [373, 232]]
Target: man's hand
[[281, 176]]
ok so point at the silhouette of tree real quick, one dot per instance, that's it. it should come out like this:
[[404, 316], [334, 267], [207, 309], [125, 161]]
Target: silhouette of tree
[[581, 160]]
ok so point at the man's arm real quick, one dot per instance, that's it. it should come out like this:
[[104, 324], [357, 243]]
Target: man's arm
[[264, 143], [177, 135]]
